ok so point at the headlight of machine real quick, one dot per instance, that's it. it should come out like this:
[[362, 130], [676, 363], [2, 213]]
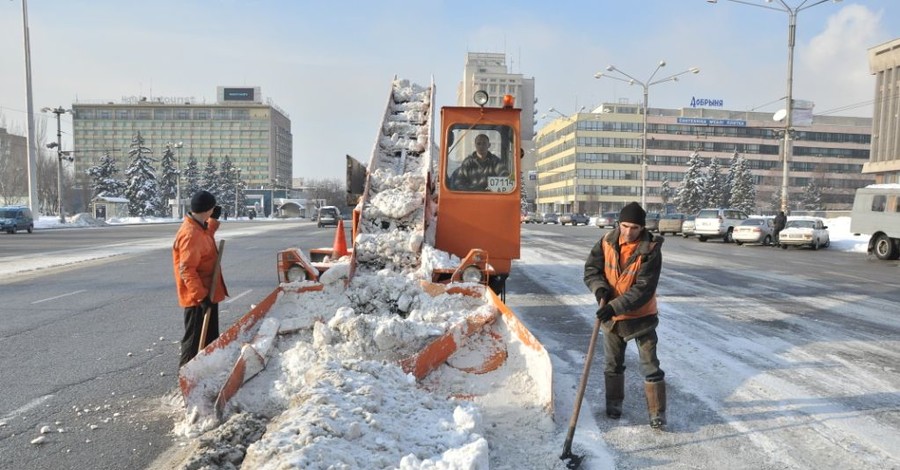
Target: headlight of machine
[[472, 274]]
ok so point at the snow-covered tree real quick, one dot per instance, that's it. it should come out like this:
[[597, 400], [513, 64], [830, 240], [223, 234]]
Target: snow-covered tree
[[142, 188], [713, 184], [812, 197], [775, 202], [227, 183], [190, 178], [743, 190], [168, 182], [729, 180], [665, 191], [210, 178], [689, 198], [103, 178]]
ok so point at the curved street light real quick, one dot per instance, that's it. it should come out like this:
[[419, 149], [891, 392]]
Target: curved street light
[[787, 146], [646, 84]]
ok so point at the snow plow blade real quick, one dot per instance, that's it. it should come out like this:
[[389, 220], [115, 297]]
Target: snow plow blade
[[482, 343]]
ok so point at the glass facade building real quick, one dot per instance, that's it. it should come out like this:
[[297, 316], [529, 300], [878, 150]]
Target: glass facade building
[[255, 135], [591, 162]]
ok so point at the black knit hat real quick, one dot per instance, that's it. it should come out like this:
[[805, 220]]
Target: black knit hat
[[202, 202], [634, 214]]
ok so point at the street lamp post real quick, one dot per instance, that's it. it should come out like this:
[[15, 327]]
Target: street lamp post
[[237, 185], [646, 86], [59, 159], [173, 147], [787, 146]]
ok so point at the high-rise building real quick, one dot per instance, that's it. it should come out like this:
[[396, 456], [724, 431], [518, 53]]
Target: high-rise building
[[884, 162], [488, 71], [254, 134], [591, 162]]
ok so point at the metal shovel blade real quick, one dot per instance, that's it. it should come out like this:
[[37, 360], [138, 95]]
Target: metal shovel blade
[[572, 461]]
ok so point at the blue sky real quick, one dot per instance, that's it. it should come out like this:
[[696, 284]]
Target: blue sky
[[329, 64]]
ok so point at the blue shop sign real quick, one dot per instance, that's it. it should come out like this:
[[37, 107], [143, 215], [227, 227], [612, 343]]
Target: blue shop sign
[[712, 122]]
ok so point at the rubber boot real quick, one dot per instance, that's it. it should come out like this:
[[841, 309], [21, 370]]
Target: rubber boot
[[656, 403], [615, 393]]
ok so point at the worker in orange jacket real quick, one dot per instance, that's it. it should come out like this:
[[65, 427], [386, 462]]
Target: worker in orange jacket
[[622, 271], [194, 255]]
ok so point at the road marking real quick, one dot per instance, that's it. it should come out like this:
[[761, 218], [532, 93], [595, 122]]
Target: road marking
[[28, 406], [238, 296], [59, 296]]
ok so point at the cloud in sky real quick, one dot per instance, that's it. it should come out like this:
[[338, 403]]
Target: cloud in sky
[[329, 64]]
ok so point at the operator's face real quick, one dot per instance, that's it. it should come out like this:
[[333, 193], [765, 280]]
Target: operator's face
[[481, 146], [628, 232]]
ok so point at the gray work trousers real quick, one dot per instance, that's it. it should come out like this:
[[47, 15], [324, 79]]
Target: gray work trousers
[[614, 355]]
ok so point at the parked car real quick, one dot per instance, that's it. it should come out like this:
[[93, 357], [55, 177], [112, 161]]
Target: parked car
[[550, 218], [608, 219], [804, 232], [15, 218], [328, 215], [574, 219], [754, 230], [530, 218], [717, 223], [687, 227], [671, 223], [652, 223]]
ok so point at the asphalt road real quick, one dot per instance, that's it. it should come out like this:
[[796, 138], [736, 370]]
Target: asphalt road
[[91, 350]]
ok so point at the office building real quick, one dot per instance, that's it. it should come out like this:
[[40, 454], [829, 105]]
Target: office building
[[591, 162], [13, 168], [253, 133], [884, 162]]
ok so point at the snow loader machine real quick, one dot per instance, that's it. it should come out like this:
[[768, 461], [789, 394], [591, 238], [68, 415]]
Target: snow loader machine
[[409, 216]]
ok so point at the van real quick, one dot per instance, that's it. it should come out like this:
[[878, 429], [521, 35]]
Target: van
[[876, 212], [328, 215], [717, 223], [15, 218]]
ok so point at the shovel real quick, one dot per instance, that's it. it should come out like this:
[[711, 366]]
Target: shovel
[[212, 293], [574, 461]]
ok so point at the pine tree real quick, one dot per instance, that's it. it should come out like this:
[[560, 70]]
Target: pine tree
[[743, 190], [730, 179], [665, 191], [713, 184], [210, 179], [142, 188], [168, 183], [103, 178], [689, 197], [227, 183], [191, 174], [812, 197], [775, 201]]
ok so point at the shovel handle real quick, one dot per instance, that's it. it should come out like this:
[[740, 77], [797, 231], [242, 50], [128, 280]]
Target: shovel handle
[[567, 447], [212, 293]]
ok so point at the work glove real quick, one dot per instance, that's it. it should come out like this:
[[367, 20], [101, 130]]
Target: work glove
[[206, 304], [217, 211], [600, 295], [605, 313]]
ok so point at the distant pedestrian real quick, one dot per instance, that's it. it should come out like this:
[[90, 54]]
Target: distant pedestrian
[[622, 271], [780, 221], [194, 255]]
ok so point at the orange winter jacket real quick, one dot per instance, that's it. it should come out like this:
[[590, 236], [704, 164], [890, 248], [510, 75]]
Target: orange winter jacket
[[627, 275], [194, 256]]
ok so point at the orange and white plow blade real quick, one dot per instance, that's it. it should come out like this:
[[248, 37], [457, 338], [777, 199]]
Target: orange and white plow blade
[[253, 359]]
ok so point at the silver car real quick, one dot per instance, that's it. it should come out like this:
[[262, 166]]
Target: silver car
[[754, 230], [805, 232], [687, 227]]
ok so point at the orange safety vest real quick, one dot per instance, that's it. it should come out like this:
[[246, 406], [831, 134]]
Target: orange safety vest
[[622, 276]]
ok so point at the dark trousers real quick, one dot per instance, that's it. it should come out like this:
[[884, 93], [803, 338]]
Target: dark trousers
[[193, 327], [614, 355]]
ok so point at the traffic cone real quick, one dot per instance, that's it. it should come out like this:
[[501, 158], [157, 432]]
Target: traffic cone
[[339, 248]]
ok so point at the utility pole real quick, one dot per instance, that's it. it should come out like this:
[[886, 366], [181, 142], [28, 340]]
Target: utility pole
[[60, 155], [32, 140]]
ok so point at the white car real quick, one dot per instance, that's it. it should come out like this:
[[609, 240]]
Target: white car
[[804, 232]]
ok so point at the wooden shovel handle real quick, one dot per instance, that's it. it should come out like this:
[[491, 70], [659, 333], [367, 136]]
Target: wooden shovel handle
[[212, 294]]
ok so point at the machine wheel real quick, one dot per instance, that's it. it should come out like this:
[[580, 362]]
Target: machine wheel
[[684, 235], [784, 247], [767, 241], [701, 238], [30, 228], [885, 248], [738, 243]]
